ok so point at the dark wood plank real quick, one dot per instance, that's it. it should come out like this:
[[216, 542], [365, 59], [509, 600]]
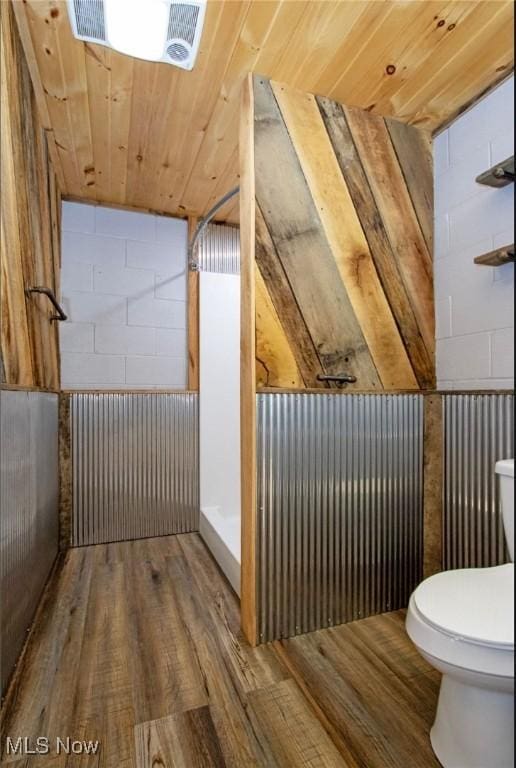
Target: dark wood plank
[[238, 739], [380, 246], [186, 740], [42, 704], [355, 691], [166, 678], [414, 151], [102, 708], [251, 668], [295, 228], [496, 258], [65, 473], [61, 761], [152, 627], [288, 730], [432, 484]]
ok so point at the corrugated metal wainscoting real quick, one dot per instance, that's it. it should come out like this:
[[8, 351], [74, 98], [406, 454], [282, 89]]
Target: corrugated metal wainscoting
[[28, 513], [340, 510], [218, 249], [135, 466], [478, 430]]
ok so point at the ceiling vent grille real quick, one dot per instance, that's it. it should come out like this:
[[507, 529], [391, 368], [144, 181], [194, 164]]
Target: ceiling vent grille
[[178, 52], [89, 17], [185, 23]]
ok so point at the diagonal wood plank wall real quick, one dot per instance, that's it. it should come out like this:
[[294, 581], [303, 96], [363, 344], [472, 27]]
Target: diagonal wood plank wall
[[30, 231], [343, 245]]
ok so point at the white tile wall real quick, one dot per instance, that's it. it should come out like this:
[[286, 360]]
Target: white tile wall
[[474, 304], [124, 288]]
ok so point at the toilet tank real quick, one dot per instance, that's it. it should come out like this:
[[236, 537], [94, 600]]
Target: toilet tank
[[505, 470]]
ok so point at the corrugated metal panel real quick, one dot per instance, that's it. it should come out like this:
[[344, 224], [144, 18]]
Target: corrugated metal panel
[[28, 512], [478, 430], [218, 249], [135, 466], [340, 510]]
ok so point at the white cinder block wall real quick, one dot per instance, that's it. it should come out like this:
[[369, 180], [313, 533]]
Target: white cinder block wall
[[474, 304], [124, 289]]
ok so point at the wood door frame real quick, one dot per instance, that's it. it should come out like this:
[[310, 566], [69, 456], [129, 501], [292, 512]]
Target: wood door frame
[[248, 593]]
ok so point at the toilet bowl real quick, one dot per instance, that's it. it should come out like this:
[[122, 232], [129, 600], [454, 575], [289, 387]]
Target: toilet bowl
[[462, 623]]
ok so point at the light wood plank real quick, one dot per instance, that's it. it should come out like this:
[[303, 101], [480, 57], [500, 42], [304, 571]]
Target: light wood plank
[[16, 355], [32, 64], [199, 113], [406, 55], [223, 125], [345, 236], [487, 22], [122, 73], [97, 60], [383, 46], [247, 363], [275, 362]]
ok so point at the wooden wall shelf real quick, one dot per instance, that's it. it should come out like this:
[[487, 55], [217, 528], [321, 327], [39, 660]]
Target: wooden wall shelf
[[499, 175], [497, 258]]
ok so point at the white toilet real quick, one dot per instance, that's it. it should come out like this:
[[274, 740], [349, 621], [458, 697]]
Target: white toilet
[[462, 622]]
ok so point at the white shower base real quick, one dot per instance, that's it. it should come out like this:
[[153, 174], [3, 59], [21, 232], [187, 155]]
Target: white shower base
[[221, 534]]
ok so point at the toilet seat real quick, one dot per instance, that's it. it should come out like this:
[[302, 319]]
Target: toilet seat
[[441, 619], [475, 604]]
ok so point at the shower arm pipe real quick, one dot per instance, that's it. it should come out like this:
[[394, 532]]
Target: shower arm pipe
[[204, 223]]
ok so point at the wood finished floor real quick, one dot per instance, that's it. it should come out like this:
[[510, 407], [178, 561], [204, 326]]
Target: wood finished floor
[[138, 645]]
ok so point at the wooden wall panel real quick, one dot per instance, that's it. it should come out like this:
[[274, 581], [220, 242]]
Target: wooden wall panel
[[30, 251], [343, 243], [248, 591]]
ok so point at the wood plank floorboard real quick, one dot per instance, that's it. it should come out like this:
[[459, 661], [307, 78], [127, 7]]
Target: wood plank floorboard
[[138, 644]]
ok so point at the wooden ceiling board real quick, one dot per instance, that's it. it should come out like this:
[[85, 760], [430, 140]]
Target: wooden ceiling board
[[152, 136], [196, 104]]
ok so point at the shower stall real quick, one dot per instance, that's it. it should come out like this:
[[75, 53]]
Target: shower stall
[[218, 260]]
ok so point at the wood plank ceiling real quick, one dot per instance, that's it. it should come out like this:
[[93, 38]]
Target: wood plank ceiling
[[156, 137]]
